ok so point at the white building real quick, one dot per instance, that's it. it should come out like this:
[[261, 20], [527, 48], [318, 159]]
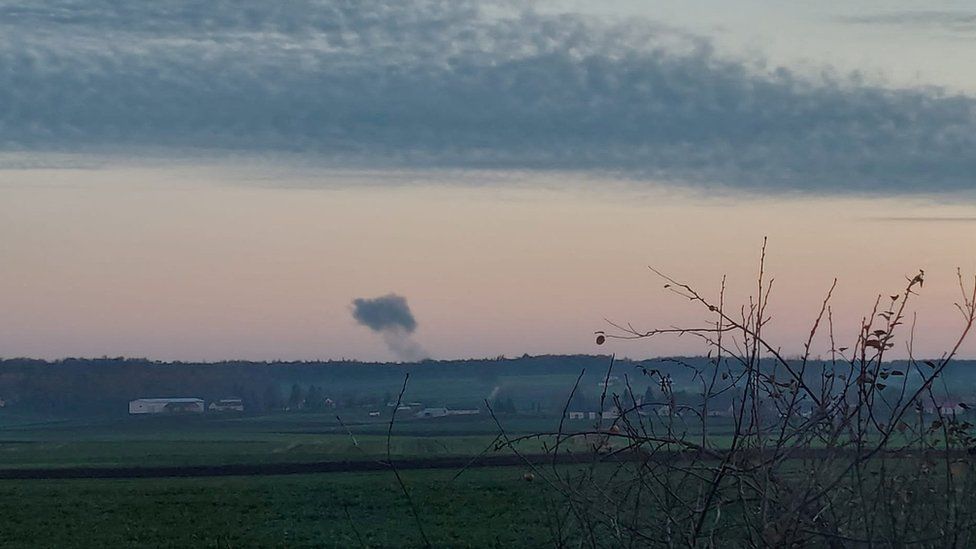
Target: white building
[[471, 412], [607, 414], [227, 405], [608, 382], [432, 412], [166, 406]]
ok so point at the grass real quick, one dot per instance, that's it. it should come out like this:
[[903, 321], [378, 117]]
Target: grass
[[482, 508], [326, 510], [198, 452], [216, 440], [296, 437], [254, 440]]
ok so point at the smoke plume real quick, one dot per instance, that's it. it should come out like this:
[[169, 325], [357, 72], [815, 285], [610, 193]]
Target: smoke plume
[[390, 316]]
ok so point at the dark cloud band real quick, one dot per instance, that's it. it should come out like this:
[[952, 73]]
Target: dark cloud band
[[447, 84], [950, 21]]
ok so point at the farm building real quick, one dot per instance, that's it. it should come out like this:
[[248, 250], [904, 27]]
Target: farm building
[[606, 414], [432, 412], [608, 382], [227, 405], [443, 412], [946, 408], [166, 406], [471, 412]]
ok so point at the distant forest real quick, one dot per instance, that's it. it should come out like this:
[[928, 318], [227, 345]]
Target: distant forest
[[102, 386]]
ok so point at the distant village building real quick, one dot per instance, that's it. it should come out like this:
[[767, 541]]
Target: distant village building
[[946, 408], [374, 413], [432, 412], [405, 405], [730, 411], [472, 412], [612, 413], [227, 405], [668, 410], [166, 406], [608, 382], [444, 412]]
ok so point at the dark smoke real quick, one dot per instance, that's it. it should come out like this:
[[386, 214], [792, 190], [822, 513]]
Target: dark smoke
[[384, 313], [390, 316]]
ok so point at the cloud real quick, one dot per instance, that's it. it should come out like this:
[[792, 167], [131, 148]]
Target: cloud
[[952, 21], [438, 83], [928, 219]]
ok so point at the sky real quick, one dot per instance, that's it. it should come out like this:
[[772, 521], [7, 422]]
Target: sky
[[223, 180]]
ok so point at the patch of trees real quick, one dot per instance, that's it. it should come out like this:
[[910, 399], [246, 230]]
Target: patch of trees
[[105, 385]]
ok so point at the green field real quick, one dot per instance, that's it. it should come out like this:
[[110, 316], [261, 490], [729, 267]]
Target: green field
[[481, 508], [180, 441], [331, 510], [280, 438]]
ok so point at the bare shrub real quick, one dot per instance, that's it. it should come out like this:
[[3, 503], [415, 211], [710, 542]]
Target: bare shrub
[[851, 450]]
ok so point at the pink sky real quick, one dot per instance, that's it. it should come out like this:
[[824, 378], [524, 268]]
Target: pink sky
[[218, 263], [169, 185]]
